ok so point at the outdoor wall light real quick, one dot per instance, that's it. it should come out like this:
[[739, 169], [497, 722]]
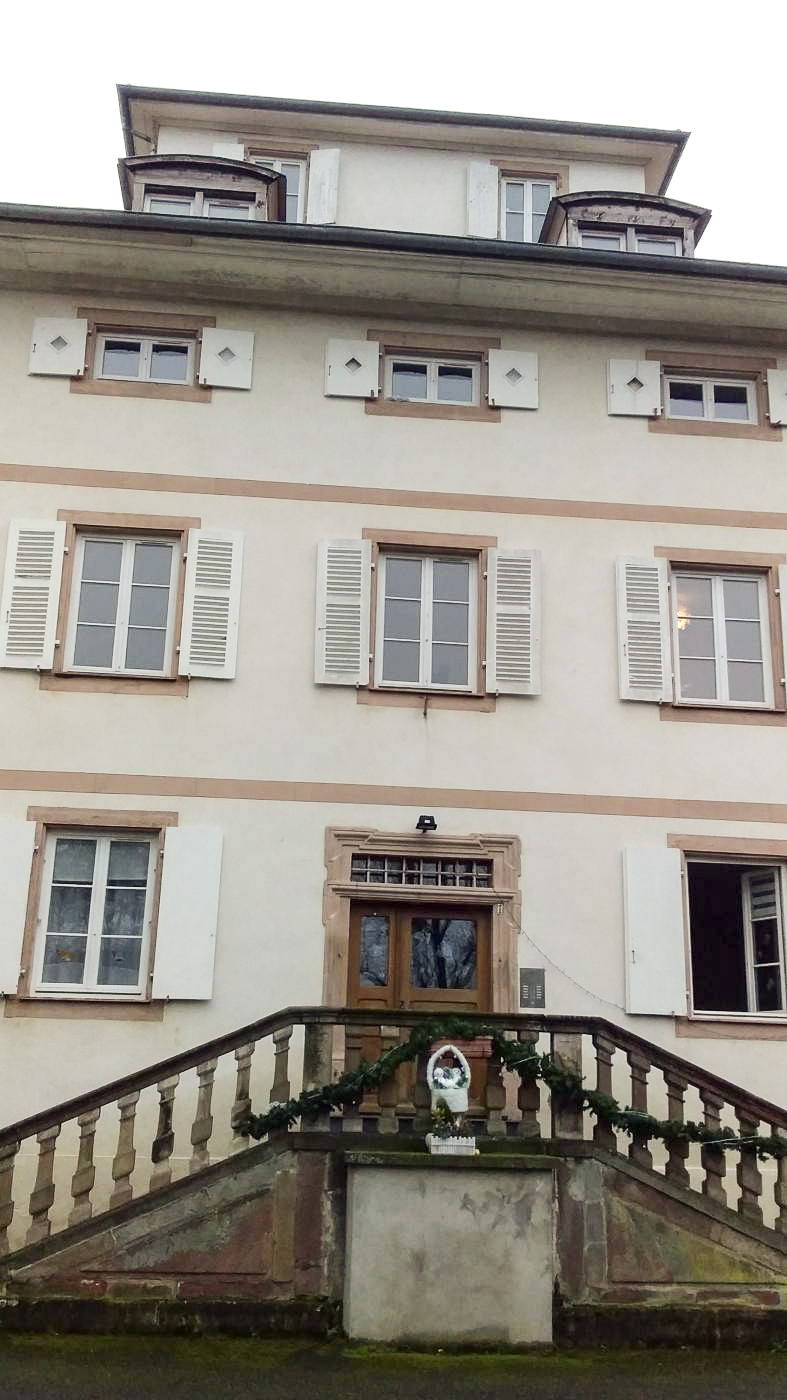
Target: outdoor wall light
[[425, 823]]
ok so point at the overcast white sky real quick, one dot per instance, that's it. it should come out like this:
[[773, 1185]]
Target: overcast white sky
[[633, 64]]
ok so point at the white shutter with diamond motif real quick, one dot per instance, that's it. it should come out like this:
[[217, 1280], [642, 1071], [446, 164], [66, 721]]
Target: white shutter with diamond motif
[[513, 628], [634, 388], [341, 643], [58, 346], [31, 589], [211, 604], [643, 630], [777, 397], [513, 379], [226, 357], [352, 368]]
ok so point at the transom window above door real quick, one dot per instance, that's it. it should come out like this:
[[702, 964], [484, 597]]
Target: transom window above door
[[420, 870], [721, 638], [416, 379], [523, 208], [122, 605], [427, 621]]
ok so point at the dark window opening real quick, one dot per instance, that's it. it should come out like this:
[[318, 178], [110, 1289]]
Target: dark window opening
[[736, 938]]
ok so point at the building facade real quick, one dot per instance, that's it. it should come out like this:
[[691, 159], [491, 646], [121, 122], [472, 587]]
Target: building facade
[[405, 626]]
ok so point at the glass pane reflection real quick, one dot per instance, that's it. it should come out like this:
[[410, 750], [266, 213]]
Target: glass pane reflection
[[375, 938], [444, 953]]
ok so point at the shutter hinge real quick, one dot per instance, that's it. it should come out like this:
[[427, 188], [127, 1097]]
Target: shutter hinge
[[57, 641], [372, 565]]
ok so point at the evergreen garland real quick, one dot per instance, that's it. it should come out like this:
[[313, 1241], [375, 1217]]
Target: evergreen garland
[[565, 1084]]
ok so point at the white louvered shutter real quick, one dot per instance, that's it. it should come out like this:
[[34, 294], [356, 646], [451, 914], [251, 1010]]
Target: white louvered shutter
[[777, 397], [211, 604], [16, 859], [513, 626], [634, 388], [761, 904], [341, 642], [483, 185], [654, 931], [31, 589], [645, 667], [513, 379], [322, 197], [783, 616], [226, 358], [188, 914], [352, 368], [58, 346]]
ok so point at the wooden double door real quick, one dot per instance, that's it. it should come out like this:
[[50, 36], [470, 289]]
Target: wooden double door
[[419, 957]]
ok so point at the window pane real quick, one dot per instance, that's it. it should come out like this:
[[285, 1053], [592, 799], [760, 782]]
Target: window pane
[[769, 988], [766, 940], [74, 861], [403, 578], [698, 680], [374, 950], [745, 680], [292, 174], [605, 242], [443, 953], [118, 963], [449, 665], [450, 622], [231, 210], [98, 602], [101, 560], [515, 196], [451, 580], [537, 225], [685, 399], [408, 381], [664, 246], [121, 359], [124, 912], [169, 362], [741, 598], [149, 606], [145, 649], [94, 646], [695, 638], [128, 863], [515, 227], [401, 661], [693, 596], [69, 908], [731, 401], [64, 959], [291, 209], [402, 620], [540, 196], [169, 206], [744, 641], [454, 384], [152, 563]]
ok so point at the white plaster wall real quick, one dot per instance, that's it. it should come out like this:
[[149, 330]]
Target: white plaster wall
[[188, 141], [605, 175]]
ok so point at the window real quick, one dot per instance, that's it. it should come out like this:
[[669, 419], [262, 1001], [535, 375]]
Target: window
[[294, 172], [418, 870], [95, 912], [201, 204], [523, 208], [721, 638], [427, 621], [736, 923], [605, 242], [122, 605], [630, 240], [710, 400], [153, 359], [654, 243], [417, 379]]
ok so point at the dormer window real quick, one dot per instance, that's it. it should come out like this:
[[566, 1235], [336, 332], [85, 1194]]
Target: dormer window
[[202, 187], [200, 204], [630, 240], [615, 221]]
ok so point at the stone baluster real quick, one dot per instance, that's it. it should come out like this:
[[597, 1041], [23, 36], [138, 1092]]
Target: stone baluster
[[748, 1171], [7, 1161], [43, 1193], [495, 1098], [280, 1088], [125, 1156], [202, 1127], [567, 1055], [713, 1159], [678, 1150], [405, 1085], [369, 1107], [640, 1066], [241, 1107], [780, 1189], [388, 1092], [164, 1141], [603, 1132], [529, 1091], [317, 1059], [84, 1177]]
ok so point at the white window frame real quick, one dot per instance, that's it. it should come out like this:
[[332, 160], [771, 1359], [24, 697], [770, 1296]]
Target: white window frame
[[276, 163], [90, 987], [722, 698], [427, 598], [748, 940], [527, 221], [196, 202], [708, 383], [218, 201], [145, 343], [607, 233], [124, 603], [674, 239], [433, 364]]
